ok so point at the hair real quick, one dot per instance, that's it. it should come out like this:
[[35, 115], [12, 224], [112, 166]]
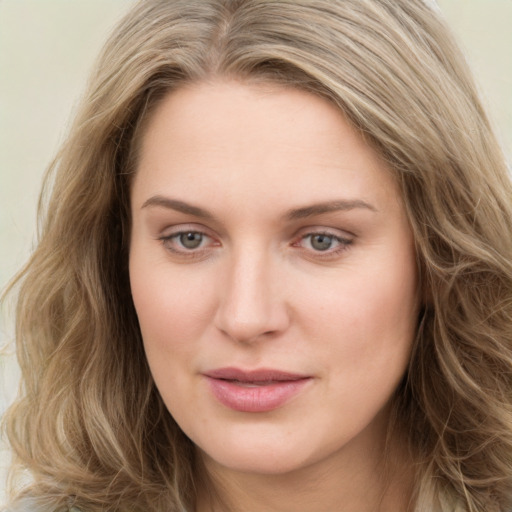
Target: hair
[[90, 425]]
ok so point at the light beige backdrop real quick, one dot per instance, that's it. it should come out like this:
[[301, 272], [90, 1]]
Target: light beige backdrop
[[47, 48]]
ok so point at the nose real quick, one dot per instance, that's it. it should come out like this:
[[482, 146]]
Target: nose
[[252, 302]]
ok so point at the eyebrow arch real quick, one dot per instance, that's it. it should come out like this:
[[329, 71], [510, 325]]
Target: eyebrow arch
[[330, 206], [179, 206], [295, 214]]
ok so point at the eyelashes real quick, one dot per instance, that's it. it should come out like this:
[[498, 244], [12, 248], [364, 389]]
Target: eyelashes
[[323, 242], [189, 243], [196, 244], [189, 240]]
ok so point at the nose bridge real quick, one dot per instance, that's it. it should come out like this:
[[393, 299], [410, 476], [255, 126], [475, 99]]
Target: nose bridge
[[250, 304]]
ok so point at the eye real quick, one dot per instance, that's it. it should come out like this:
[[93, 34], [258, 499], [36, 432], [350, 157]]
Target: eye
[[188, 242], [323, 243]]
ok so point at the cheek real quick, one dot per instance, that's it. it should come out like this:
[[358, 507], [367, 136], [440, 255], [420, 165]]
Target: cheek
[[173, 308], [366, 319]]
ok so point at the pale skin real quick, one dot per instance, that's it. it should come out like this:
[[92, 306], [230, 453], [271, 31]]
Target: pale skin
[[267, 234]]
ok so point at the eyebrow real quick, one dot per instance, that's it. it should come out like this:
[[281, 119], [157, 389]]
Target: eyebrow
[[179, 206], [294, 214], [328, 207]]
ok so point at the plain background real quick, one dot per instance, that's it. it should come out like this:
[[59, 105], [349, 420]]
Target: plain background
[[47, 48]]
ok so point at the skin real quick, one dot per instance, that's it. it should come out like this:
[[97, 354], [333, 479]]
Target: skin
[[258, 293]]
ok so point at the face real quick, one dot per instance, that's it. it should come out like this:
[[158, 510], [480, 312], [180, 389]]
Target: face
[[273, 273]]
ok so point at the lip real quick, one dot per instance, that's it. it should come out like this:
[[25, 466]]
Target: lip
[[260, 390]]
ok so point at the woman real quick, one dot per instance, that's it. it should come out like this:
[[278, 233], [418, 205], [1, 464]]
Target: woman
[[275, 271]]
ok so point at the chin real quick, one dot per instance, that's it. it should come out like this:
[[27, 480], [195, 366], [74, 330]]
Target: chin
[[269, 453], [258, 461]]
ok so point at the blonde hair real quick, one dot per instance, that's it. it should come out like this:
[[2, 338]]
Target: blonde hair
[[90, 425]]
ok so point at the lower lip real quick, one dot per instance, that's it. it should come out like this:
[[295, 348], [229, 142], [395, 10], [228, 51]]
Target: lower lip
[[263, 398]]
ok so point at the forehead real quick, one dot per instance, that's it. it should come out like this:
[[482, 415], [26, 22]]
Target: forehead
[[256, 141]]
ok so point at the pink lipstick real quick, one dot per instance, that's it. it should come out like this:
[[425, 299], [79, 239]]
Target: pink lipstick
[[256, 390]]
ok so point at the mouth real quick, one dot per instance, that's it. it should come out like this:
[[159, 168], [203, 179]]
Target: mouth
[[254, 391]]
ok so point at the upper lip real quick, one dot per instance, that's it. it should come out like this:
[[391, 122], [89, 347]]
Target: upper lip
[[259, 375]]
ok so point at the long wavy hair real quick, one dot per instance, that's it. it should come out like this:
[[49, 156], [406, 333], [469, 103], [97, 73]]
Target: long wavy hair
[[90, 426]]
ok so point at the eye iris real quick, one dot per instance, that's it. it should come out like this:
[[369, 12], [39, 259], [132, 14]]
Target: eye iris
[[191, 240], [321, 242]]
